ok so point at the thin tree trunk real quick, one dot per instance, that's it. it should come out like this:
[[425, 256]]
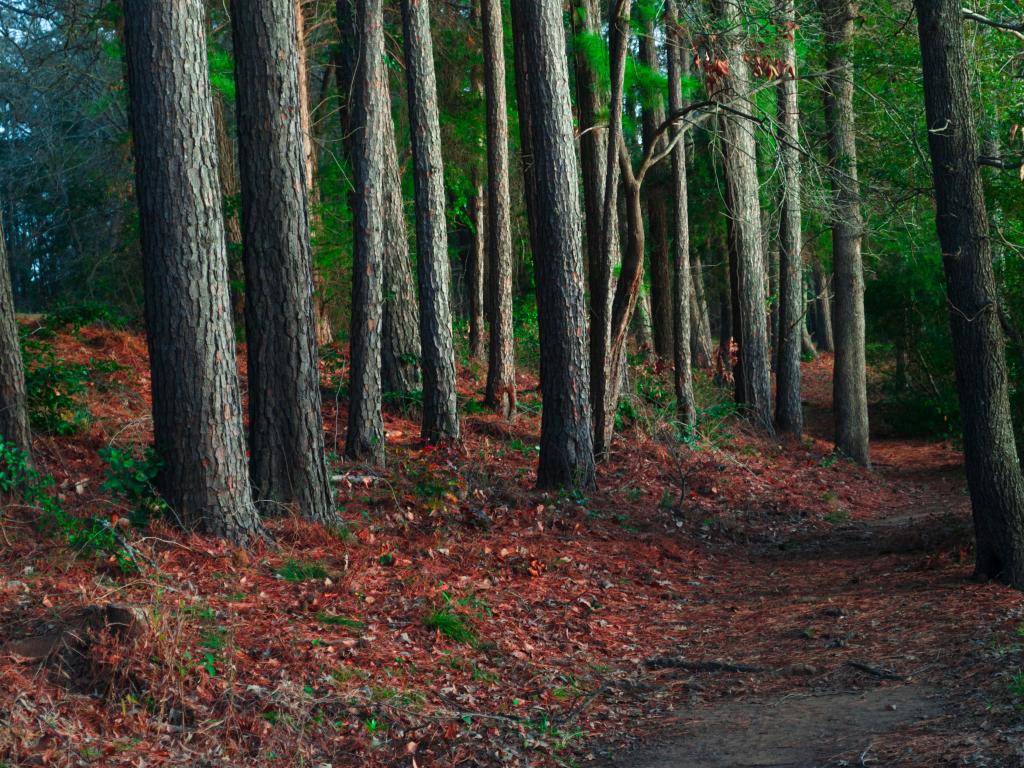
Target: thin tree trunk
[[849, 377], [991, 460], [286, 433], [440, 408], [606, 385], [658, 195], [229, 189], [370, 111], [822, 308], [701, 343], [478, 253], [742, 197], [14, 427], [525, 113], [197, 412], [788, 411], [681, 282], [566, 451], [501, 372]]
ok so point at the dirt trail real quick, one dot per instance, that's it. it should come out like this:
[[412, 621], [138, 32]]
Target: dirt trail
[[856, 629]]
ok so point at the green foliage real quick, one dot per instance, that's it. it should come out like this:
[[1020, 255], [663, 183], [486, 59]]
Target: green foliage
[[55, 389], [84, 313], [84, 536], [339, 621], [451, 625], [297, 570], [131, 478]]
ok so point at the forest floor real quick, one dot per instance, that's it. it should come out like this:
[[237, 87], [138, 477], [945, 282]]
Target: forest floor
[[752, 602]]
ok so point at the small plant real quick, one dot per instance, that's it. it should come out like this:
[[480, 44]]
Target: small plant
[[86, 313], [451, 625], [296, 570], [131, 478], [1016, 688], [339, 621], [55, 389]]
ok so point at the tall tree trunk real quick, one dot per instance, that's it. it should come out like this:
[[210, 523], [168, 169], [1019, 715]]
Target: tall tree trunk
[[701, 343], [849, 377], [525, 112], [197, 411], [227, 173], [601, 255], [440, 409], [501, 371], [605, 374], [744, 209], [478, 253], [991, 460], [14, 428], [658, 193], [323, 328], [788, 412], [400, 337], [822, 307], [370, 111], [566, 450], [286, 433], [681, 282]]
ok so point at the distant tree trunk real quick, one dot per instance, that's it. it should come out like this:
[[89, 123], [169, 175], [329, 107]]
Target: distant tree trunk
[[849, 377], [601, 255], [681, 281], [744, 210], [286, 433], [525, 112], [566, 451], [440, 409], [370, 111], [501, 371], [822, 308], [603, 358], [701, 343], [652, 116], [400, 339], [735, 321], [788, 411], [14, 428], [991, 460], [479, 205], [197, 413], [227, 171], [807, 347]]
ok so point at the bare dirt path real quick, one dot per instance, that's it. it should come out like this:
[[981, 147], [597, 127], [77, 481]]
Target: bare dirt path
[[864, 644]]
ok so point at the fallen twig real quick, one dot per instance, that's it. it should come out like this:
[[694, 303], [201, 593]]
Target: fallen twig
[[884, 674], [674, 662]]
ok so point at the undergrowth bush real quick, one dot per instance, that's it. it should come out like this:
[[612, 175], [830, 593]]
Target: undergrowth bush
[[131, 478]]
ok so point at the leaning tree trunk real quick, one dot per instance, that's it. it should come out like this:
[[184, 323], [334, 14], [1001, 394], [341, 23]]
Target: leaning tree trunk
[[849, 377], [501, 370], [370, 111], [658, 195], [440, 409], [991, 460], [286, 433], [14, 427], [400, 335], [822, 308], [788, 412], [197, 411], [566, 450], [742, 198], [681, 281]]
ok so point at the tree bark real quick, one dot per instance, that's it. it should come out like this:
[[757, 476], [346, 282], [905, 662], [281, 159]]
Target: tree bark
[[525, 110], [849, 377], [476, 267], [400, 338], [197, 419], [788, 411], [991, 460], [743, 202], [681, 281], [227, 173], [440, 409], [566, 451], [286, 433], [501, 371], [701, 343], [658, 195], [370, 111], [14, 427]]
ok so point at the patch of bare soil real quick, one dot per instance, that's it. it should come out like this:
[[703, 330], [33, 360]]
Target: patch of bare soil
[[836, 728]]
